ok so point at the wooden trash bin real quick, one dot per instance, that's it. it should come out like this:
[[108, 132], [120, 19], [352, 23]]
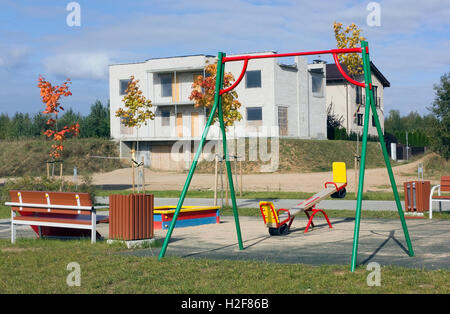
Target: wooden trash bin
[[131, 216], [417, 194]]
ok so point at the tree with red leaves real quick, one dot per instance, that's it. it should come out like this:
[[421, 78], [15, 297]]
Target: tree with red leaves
[[203, 90], [51, 98]]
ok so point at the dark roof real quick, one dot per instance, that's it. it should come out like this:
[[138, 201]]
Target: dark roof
[[333, 74]]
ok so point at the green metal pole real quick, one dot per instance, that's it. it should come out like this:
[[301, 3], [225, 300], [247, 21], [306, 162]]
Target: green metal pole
[[362, 167], [389, 168], [230, 175], [217, 99]]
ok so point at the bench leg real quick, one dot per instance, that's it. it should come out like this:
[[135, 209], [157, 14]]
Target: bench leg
[[430, 211], [94, 225], [13, 227]]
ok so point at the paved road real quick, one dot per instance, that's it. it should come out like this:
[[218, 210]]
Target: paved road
[[284, 203], [288, 203]]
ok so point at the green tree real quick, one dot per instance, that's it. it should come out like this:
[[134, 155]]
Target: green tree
[[39, 124], [440, 109], [20, 126], [96, 124], [393, 122], [70, 117], [137, 108], [4, 126]]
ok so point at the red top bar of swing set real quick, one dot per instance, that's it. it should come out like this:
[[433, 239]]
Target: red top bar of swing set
[[334, 52]]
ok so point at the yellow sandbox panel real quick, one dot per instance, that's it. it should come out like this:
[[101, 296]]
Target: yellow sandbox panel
[[170, 209]]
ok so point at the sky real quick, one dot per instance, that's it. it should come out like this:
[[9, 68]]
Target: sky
[[409, 41]]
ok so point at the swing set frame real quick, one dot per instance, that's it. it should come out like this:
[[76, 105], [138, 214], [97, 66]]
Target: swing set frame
[[369, 105]]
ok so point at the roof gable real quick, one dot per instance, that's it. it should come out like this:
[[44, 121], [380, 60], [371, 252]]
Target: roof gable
[[333, 74]]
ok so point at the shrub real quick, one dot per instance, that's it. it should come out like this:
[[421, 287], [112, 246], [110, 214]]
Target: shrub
[[46, 184]]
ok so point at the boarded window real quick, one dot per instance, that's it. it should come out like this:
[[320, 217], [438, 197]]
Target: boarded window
[[176, 89], [195, 77], [283, 121], [179, 124]]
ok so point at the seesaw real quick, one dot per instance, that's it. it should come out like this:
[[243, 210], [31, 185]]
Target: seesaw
[[279, 221]]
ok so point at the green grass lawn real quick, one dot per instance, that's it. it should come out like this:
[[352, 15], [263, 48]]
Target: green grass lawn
[[40, 266]]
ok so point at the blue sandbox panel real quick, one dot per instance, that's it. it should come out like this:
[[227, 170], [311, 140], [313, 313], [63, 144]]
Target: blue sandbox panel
[[190, 222]]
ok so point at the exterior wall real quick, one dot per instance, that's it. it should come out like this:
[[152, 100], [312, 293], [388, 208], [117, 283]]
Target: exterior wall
[[150, 83], [286, 96], [263, 96], [287, 86], [343, 97], [318, 110], [340, 98], [117, 73]]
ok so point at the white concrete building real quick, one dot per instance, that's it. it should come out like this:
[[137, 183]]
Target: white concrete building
[[346, 98], [289, 98]]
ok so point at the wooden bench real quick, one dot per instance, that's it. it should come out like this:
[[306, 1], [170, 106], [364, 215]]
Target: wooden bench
[[54, 213], [443, 187]]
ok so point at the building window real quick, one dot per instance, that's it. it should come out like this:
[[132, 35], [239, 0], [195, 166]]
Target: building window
[[316, 84], [359, 119], [373, 121], [166, 85], [358, 95], [375, 95], [165, 118], [123, 85], [283, 121], [253, 79], [254, 116]]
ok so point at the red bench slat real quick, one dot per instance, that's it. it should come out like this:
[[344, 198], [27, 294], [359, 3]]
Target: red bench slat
[[445, 183]]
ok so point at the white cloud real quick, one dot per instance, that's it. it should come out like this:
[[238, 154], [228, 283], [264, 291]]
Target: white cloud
[[13, 57], [78, 65]]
